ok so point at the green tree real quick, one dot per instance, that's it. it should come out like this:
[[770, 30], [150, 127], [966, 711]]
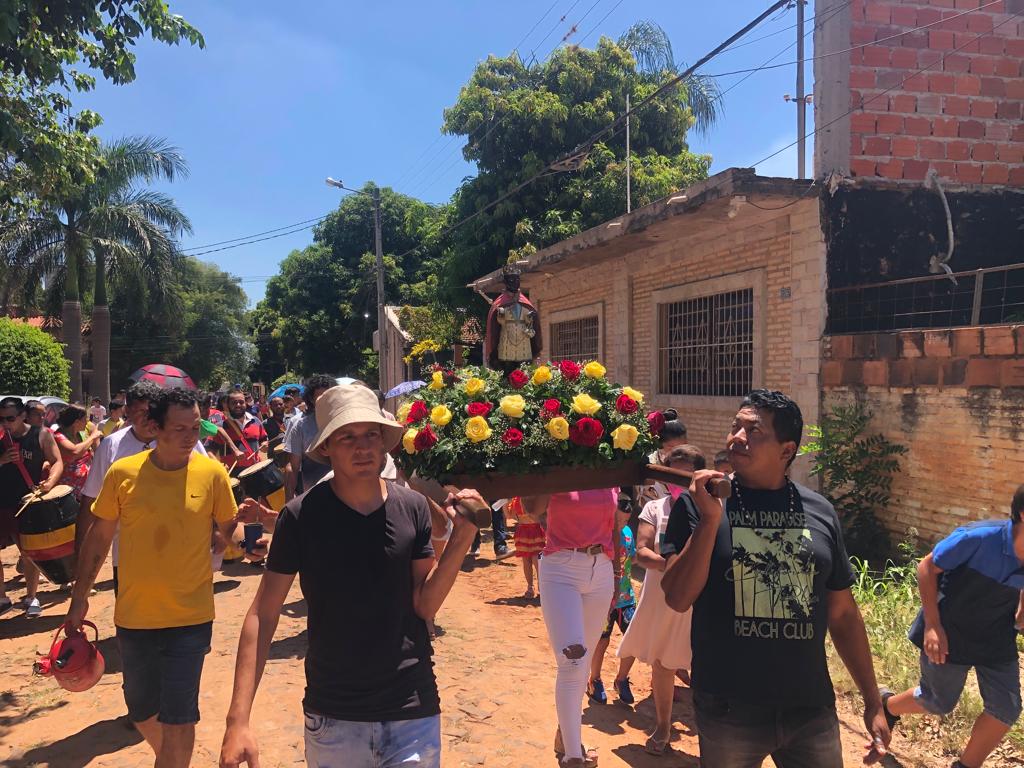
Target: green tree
[[201, 326], [48, 51], [114, 225], [320, 311], [518, 118], [34, 364]]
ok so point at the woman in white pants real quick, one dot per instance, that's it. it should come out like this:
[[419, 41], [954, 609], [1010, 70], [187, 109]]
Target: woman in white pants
[[577, 580]]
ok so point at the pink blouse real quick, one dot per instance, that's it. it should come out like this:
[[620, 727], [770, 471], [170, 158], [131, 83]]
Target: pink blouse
[[580, 518]]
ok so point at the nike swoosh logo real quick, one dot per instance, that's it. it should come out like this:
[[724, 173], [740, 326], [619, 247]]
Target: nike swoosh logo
[[195, 495]]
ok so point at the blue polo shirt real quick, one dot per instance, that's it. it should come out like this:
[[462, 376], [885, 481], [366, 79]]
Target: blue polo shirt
[[979, 591]]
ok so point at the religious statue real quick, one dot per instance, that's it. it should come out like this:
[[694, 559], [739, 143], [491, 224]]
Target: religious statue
[[513, 327]]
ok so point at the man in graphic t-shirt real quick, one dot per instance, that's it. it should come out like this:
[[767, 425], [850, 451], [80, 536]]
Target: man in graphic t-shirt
[[371, 698], [767, 575]]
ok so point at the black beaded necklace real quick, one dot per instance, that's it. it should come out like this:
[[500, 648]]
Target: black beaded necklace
[[743, 507]]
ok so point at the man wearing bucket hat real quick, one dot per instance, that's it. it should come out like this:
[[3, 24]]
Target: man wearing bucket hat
[[371, 697]]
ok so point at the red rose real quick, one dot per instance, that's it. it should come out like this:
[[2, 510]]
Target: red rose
[[418, 412], [586, 432], [513, 437], [518, 378], [569, 369], [626, 404], [424, 439], [552, 408], [655, 420], [478, 409]]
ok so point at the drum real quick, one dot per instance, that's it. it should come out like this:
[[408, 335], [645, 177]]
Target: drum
[[46, 533], [236, 490], [264, 480], [280, 456]]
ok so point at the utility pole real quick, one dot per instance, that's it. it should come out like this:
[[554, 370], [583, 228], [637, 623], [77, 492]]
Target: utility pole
[[382, 344], [629, 180], [801, 102]]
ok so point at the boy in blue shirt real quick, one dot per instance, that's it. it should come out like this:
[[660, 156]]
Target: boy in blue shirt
[[971, 603], [622, 610]]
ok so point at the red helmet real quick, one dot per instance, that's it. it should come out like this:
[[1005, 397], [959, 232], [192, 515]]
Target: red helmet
[[74, 662]]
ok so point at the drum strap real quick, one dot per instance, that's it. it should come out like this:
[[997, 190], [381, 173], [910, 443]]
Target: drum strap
[[238, 437]]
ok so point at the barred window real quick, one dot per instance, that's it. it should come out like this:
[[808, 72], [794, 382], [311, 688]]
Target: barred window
[[706, 345], [575, 339]]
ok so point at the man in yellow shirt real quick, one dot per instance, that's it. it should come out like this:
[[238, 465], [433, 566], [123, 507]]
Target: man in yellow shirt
[[114, 420], [166, 501]]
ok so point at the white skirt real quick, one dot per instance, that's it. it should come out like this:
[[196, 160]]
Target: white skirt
[[657, 633]]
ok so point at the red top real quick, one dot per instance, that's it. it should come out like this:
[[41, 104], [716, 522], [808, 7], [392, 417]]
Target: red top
[[581, 518], [252, 433]]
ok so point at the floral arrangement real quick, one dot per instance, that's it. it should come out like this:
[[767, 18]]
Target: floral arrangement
[[475, 420]]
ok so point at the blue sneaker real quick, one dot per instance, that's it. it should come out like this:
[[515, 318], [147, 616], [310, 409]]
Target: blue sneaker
[[596, 692], [625, 694]]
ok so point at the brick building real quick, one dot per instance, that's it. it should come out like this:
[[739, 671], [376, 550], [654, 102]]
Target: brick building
[[934, 147], [693, 299]]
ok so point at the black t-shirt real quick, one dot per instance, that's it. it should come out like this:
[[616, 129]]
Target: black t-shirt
[[12, 482], [273, 427], [369, 657], [758, 631]]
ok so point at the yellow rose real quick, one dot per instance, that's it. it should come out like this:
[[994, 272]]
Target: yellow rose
[[558, 428], [409, 441], [542, 375], [475, 386], [585, 404], [624, 436], [436, 381], [632, 393], [403, 413], [477, 429], [594, 370], [440, 415], [513, 406]]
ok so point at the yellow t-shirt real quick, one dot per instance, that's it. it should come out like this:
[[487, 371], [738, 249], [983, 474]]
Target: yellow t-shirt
[[110, 426], [166, 519]]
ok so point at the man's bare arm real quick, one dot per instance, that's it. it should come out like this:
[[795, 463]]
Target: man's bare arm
[[90, 560], [686, 574]]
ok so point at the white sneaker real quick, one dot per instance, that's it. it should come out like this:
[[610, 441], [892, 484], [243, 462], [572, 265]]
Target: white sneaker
[[33, 609]]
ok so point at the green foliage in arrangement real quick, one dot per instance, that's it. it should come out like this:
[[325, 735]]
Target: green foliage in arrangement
[[33, 363]]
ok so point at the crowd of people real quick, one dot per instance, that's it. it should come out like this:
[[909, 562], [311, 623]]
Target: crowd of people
[[737, 598]]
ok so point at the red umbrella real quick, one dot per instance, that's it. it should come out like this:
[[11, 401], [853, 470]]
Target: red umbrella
[[165, 375]]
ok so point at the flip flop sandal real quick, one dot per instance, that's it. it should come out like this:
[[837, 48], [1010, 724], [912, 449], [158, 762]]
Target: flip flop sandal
[[589, 759], [655, 746]]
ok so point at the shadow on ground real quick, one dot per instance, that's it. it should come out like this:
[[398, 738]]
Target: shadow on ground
[[79, 749], [293, 647]]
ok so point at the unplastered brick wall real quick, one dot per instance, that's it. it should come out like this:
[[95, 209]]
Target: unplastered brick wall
[[955, 399], [786, 245], [947, 97]]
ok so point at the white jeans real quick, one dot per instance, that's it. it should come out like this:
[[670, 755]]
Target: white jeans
[[576, 593]]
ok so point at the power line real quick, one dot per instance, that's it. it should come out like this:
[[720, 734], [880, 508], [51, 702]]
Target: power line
[[599, 23], [316, 220], [534, 27], [533, 52]]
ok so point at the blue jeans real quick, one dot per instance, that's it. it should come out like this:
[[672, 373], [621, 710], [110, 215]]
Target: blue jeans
[[737, 735], [395, 744], [942, 684], [498, 528]]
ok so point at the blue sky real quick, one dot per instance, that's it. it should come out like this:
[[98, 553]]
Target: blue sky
[[286, 94]]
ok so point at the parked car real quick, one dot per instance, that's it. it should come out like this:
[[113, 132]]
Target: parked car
[[53, 405]]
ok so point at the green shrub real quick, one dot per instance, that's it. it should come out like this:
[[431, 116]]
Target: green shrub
[[856, 472], [31, 362], [890, 601], [288, 377]]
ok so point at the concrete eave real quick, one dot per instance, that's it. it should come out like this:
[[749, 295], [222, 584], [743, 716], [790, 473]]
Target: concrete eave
[[646, 226]]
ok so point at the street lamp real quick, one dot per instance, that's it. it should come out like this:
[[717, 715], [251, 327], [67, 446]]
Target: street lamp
[[378, 248]]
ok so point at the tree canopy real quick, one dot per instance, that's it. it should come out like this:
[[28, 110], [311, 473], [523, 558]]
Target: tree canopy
[[520, 117], [48, 51], [34, 362]]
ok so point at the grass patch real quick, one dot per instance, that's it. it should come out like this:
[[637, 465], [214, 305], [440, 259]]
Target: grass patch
[[889, 601]]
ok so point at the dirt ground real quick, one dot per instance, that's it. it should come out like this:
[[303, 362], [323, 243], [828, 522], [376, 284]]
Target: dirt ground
[[495, 672]]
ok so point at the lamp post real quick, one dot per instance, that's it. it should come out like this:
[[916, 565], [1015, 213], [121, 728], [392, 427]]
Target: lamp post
[[378, 248]]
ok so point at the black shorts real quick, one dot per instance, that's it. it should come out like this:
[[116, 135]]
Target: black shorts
[[162, 668], [621, 616]]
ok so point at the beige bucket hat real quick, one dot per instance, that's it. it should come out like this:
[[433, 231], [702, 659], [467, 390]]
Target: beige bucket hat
[[351, 404]]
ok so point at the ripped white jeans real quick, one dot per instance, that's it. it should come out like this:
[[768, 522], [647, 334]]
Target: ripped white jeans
[[575, 595]]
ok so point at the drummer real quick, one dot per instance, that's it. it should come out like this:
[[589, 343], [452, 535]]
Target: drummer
[[274, 424], [246, 433], [23, 451]]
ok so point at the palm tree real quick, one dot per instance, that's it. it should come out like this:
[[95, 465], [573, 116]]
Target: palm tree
[[125, 232], [652, 51]]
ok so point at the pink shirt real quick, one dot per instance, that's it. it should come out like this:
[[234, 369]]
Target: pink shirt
[[582, 518]]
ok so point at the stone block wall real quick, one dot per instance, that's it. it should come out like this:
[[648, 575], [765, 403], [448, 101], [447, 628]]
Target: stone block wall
[[784, 248], [954, 398]]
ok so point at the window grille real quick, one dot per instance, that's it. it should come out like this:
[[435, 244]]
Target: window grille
[[575, 339], [706, 345]]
